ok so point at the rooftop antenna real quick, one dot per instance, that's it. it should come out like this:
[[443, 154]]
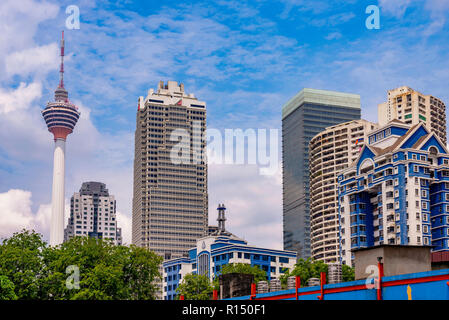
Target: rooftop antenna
[[61, 70]]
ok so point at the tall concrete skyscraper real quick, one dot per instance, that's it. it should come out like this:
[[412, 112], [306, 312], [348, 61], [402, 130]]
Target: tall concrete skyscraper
[[413, 107], [331, 151], [93, 214], [303, 116], [170, 199], [61, 117]]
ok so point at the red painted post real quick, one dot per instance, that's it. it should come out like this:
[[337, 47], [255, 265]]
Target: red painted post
[[297, 285], [214, 295], [322, 283], [253, 291], [380, 266], [181, 297]]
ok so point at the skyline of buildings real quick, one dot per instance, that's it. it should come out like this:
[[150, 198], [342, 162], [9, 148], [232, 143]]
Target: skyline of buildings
[[306, 114], [170, 200], [170, 172]]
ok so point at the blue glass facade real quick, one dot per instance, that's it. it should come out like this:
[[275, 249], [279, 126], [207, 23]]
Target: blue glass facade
[[304, 116]]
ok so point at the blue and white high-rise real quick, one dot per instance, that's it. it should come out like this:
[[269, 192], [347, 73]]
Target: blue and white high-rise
[[396, 192]]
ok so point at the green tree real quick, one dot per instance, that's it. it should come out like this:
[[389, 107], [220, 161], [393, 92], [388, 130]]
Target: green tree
[[21, 261], [245, 268], [6, 289], [104, 271], [348, 273], [107, 272], [195, 287], [305, 269]]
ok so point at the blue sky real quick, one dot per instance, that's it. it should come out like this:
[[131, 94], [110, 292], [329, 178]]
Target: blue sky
[[245, 59]]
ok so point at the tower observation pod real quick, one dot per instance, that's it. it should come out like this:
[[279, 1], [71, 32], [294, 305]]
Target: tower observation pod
[[61, 117]]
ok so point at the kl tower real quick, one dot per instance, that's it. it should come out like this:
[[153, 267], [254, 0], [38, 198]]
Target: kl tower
[[61, 117]]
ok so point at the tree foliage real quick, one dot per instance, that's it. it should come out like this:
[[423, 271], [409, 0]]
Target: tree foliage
[[309, 268], [348, 273], [105, 271], [245, 268], [6, 289], [195, 287], [305, 269], [259, 274]]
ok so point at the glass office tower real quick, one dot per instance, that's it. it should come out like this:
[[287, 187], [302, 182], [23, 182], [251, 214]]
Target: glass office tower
[[305, 115]]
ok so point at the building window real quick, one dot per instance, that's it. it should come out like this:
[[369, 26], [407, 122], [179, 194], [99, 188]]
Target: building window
[[283, 260]]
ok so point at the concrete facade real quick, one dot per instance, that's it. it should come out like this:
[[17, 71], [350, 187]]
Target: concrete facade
[[413, 107], [170, 200], [397, 260], [331, 151], [235, 285], [93, 214]]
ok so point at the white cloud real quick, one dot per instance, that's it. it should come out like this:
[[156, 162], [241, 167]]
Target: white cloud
[[253, 203], [125, 222], [18, 24], [39, 60], [438, 14], [333, 36], [20, 98], [16, 214], [396, 8]]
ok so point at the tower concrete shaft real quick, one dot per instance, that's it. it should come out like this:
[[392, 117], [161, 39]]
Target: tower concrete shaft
[[57, 202]]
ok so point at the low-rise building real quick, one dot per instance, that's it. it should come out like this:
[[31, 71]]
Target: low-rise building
[[214, 251]]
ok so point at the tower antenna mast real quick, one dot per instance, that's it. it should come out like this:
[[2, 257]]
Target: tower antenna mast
[[61, 70]]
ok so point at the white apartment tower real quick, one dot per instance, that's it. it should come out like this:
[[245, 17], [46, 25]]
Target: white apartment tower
[[413, 107], [331, 151], [93, 214], [170, 171]]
